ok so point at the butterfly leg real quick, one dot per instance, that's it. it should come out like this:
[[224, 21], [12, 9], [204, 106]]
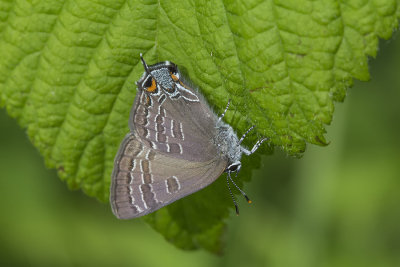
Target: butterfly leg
[[244, 135], [223, 114], [255, 147]]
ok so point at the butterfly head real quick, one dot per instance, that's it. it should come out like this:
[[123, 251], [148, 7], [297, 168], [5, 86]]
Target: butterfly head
[[164, 73]]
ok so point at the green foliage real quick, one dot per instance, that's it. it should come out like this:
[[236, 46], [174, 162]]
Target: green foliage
[[68, 69]]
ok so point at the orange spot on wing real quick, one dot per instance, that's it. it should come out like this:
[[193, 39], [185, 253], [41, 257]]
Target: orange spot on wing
[[174, 77], [148, 100], [152, 87]]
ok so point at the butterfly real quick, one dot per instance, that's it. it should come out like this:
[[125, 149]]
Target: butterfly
[[175, 147]]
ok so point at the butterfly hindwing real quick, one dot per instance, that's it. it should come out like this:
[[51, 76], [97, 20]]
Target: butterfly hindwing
[[145, 180]]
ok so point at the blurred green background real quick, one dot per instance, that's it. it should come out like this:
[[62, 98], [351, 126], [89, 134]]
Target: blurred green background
[[337, 206]]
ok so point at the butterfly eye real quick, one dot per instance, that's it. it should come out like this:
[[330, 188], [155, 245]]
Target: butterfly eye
[[174, 77], [235, 167]]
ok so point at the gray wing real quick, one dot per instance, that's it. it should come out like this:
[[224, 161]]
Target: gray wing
[[144, 180], [176, 126]]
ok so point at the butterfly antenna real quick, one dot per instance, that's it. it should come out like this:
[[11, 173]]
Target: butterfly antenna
[[223, 114], [244, 135], [230, 192], [146, 68], [241, 191]]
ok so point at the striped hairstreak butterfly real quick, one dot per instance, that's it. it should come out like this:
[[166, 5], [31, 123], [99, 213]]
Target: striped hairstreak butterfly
[[175, 147]]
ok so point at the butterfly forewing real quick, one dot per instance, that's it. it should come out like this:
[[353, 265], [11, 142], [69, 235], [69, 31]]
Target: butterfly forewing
[[145, 180], [175, 126]]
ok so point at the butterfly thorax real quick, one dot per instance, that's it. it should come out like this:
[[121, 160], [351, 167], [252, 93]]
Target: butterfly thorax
[[163, 77], [227, 142]]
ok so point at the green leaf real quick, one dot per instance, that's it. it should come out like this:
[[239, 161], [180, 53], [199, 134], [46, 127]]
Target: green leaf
[[68, 72]]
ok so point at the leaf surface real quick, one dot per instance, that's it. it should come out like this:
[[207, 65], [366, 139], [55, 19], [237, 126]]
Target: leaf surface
[[68, 72]]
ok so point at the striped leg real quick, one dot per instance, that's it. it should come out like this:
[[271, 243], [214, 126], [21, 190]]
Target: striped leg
[[255, 147], [223, 114]]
